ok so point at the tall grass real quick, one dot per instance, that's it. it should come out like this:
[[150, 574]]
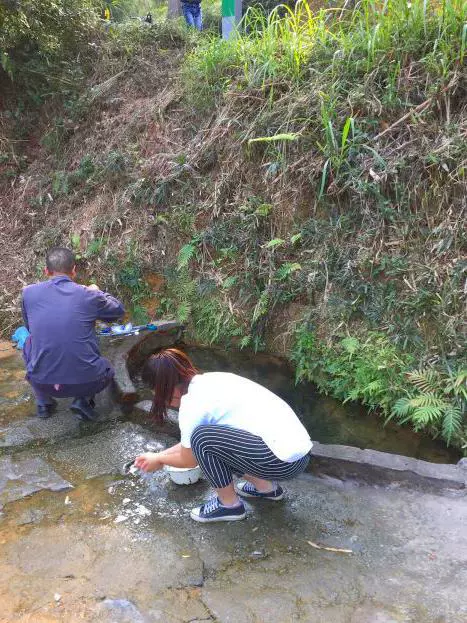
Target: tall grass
[[342, 44]]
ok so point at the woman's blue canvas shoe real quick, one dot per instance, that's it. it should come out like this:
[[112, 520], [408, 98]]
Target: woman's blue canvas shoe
[[213, 510], [247, 490]]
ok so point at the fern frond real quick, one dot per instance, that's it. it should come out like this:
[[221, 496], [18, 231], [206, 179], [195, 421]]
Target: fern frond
[[452, 422], [401, 408], [350, 344], [352, 395], [287, 269], [427, 400], [185, 254], [423, 416], [460, 378], [373, 388], [426, 381], [245, 341], [457, 384], [184, 311]]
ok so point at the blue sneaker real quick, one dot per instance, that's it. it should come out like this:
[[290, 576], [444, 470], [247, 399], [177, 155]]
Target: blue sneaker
[[247, 490], [213, 510]]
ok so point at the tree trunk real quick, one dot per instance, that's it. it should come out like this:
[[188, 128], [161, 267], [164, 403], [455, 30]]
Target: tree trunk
[[174, 9]]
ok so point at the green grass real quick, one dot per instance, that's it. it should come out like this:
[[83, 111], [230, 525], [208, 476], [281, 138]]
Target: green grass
[[356, 115], [338, 45]]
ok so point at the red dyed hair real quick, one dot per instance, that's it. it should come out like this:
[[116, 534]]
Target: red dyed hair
[[163, 372]]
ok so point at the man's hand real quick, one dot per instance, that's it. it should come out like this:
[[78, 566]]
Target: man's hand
[[148, 462], [93, 287]]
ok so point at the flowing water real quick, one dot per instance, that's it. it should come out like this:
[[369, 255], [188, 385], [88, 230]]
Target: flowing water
[[327, 420]]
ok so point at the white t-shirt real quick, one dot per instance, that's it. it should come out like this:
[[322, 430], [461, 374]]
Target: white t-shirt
[[229, 400]]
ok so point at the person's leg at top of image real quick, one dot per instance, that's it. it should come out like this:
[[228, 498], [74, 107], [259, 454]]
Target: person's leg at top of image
[[188, 14], [198, 17]]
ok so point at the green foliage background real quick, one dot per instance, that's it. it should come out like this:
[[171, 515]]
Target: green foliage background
[[322, 170]]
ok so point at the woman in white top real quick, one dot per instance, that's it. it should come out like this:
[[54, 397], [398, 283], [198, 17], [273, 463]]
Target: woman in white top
[[229, 425]]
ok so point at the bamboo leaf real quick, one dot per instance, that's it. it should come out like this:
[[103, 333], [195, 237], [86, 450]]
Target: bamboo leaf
[[276, 242], [324, 176], [277, 137], [345, 133]]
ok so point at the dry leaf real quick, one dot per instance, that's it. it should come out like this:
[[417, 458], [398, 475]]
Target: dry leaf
[[339, 550]]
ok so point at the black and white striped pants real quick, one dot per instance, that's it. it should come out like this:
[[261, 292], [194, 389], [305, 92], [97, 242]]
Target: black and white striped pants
[[222, 451]]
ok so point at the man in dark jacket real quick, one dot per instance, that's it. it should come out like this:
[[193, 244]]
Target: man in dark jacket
[[62, 354]]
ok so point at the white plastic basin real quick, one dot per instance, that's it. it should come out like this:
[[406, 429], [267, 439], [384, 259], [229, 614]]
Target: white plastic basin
[[183, 475]]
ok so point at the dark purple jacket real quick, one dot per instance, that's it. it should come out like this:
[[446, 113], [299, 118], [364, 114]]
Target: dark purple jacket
[[60, 316]]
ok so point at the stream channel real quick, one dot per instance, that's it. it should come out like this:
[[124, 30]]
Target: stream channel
[[327, 420]]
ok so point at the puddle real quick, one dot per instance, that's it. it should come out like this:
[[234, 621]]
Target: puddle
[[15, 393], [327, 420]]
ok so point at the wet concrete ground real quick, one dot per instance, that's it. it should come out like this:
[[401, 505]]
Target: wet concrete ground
[[119, 548]]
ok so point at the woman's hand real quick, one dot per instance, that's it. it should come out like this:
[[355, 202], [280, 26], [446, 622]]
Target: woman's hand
[[148, 462]]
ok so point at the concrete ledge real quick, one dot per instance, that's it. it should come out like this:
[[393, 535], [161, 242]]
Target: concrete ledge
[[141, 414], [374, 467], [132, 351]]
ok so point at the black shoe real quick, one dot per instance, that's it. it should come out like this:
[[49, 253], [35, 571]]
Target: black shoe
[[44, 411], [52, 405], [83, 410]]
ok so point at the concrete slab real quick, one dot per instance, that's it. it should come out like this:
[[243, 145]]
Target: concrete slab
[[400, 569], [128, 353], [106, 452], [33, 431], [142, 414], [263, 569], [374, 467]]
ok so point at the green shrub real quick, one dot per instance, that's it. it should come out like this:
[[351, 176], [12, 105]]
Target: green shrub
[[44, 45], [436, 402], [378, 374], [130, 281], [199, 304], [369, 370]]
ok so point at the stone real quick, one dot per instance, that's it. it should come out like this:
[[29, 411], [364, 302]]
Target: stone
[[130, 352], [30, 516], [441, 474], [120, 611], [34, 431], [24, 476], [108, 451], [142, 412], [390, 461]]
